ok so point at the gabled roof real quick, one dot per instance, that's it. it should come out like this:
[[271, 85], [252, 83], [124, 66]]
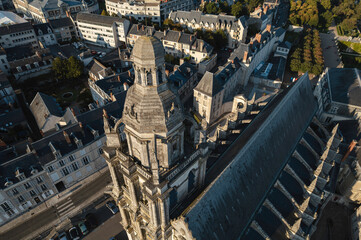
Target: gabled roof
[[61, 22], [14, 28], [43, 27], [209, 84]]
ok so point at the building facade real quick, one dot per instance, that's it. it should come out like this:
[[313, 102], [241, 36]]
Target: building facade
[[236, 29], [155, 169], [105, 31], [43, 11], [156, 11], [17, 35], [45, 34]]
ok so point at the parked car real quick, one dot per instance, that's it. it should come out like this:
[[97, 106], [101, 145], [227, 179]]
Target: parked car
[[83, 229], [114, 209], [91, 220], [62, 236], [74, 233]]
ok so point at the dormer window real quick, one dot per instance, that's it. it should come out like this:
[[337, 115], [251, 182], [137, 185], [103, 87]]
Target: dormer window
[[27, 185], [8, 182], [33, 170], [39, 179], [19, 174]]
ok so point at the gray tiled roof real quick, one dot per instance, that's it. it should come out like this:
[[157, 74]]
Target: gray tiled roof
[[61, 22], [14, 28], [209, 84], [345, 85], [43, 27], [97, 19]]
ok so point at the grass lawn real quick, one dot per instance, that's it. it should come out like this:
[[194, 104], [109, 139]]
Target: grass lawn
[[354, 46]]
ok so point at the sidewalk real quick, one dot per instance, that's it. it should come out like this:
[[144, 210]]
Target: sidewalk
[[46, 215]]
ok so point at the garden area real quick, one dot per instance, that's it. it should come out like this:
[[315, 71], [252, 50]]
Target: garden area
[[351, 54], [321, 13], [67, 83], [308, 56]]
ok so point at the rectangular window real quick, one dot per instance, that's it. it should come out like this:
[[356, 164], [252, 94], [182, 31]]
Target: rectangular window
[[100, 150], [85, 160], [27, 185], [71, 158], [65, 171], [5, 206], [50, 169], [43, 187], [75, 166], [61, 163], [15, 191], [32, 193], [39, 179], [21, 199]]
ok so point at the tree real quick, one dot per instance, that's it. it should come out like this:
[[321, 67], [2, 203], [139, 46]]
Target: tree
[[59, 68], [75, 68], [211, 8], [237, 9], [295, 65], [104, 13], [349, 24], [326, 4], [114, 15]]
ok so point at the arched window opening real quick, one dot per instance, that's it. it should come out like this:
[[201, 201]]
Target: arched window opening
[[149, 79]]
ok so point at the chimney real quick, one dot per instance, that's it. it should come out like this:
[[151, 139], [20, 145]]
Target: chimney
[[201, 45], [119, 80], [245, 56], [233, 61], [181, 61], [126, 86], [81, 127], [165, 32], [97, 102], [38, 54], [129, 74], [268, 28], [175, 68], [167, 72], [258, 37], [67, 138], [349, 150], [67, 13], [265, 10], [190, 38], [137, 27], [105, 114], [251, 44], [72, 110], [142, 27]]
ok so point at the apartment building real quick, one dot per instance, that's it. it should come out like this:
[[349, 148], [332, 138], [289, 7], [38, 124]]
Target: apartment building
[[102, 30], [42, 11], [23, 184], [17, 35], [45, 34], [257, 50], [64, 29], [236, 29], [156, 11], [214, 90], [177, 44]]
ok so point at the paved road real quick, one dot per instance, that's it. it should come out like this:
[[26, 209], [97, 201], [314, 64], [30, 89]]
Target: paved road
[[110, 228], [63, 208], [330, 50]]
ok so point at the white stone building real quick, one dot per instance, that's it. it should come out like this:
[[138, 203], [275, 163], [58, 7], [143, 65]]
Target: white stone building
[[17, 35], [44, 10], [177, 44], [105, 31], [45, 34], [236, 29], [157, 11]]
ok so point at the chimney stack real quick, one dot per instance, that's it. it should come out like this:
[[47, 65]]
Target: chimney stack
[[137, 27], [119, 80], [105, 114], [67, 138], [142, 27], [201, 45], [265, 9], [129, 73], [165, 32], [126, 86], [245, 56], [258, 37], [167, 72], [268, 28], [349, 150]]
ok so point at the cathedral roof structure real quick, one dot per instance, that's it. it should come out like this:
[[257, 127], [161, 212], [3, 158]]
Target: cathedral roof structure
[[148, 48], [234, 198]]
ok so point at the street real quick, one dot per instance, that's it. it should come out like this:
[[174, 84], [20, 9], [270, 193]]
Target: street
[[44, 220], [330, 50]]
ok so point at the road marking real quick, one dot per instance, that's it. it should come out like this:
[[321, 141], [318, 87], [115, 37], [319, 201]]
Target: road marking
[[65, 207]]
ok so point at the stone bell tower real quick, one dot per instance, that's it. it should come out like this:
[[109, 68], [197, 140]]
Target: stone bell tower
[[152, 173]]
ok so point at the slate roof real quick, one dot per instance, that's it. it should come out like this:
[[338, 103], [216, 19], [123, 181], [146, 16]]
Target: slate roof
[[114, 84], [61, 22], [209, 84], [183, 73], [97, 19], [139, 29], [275, 72], [43, 27], [236, 194], [44, 106], [14, 28], [345, 85], [24, 163]]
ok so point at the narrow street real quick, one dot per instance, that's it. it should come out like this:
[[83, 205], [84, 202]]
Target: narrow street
[[45, 219], [110, 228]]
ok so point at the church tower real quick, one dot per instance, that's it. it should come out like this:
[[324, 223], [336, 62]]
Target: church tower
[[158, 166]]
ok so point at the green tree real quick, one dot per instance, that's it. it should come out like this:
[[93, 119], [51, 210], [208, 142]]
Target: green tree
[[104, 13], [211, 8], [295, 65], [59, 68], [326, 4], [75, 68], [237, 9], [349, 24]]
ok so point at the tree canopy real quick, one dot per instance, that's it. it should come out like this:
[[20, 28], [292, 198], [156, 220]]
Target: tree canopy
[[67, 69]]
